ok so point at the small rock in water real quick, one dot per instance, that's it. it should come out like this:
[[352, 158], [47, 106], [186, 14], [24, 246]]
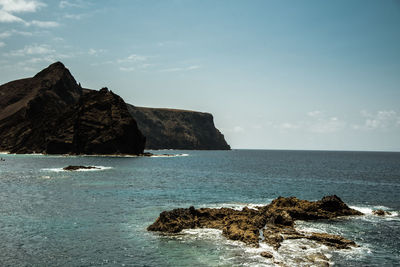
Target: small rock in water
[[75, 168], [380, 212], [266, 254]]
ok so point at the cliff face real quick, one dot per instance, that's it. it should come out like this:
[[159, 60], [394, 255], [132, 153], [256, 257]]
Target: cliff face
[[178, 129], [51, 113]]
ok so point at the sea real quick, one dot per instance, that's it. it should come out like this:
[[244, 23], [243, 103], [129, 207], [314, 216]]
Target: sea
[[98, 217]]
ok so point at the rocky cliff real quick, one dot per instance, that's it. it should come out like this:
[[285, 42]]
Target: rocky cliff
[[178, 129], [51, 113]]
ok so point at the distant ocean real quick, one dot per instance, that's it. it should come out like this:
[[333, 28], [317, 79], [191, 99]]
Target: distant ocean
[[50, 217]]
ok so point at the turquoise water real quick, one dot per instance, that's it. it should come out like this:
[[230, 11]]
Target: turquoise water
[[50, 217]]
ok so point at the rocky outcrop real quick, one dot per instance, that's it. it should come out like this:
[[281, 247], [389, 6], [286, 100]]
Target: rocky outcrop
[[178, 129], [51, 113], [272, 223], [76, 168], [381, 212]]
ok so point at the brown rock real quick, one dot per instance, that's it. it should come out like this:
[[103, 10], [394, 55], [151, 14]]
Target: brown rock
[[276, 221], [380, 212], [266, 254], [332, 240]]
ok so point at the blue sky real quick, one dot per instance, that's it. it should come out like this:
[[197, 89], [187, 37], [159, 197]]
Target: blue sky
[[275, 74]]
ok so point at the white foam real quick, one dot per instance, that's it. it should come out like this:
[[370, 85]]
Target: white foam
[[368, 211], [295, 252], [234, 205], [168, 155], [97, 168]]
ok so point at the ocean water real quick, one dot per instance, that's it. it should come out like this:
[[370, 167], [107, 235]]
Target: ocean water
[[50, 217]]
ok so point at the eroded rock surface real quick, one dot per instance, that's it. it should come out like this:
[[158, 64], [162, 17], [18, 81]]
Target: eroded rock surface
[[274, 221]]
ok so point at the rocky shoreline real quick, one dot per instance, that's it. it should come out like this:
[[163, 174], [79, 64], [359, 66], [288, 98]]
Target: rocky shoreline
[[271, 224]]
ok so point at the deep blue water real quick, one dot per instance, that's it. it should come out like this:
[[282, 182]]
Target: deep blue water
[[50, 217]]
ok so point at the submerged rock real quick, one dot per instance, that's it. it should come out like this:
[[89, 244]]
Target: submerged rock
[[275, 221]]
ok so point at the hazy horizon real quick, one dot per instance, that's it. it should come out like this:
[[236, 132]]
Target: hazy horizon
[[292, 75]]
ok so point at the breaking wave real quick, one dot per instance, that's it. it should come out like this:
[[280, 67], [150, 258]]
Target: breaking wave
[[97, 168]]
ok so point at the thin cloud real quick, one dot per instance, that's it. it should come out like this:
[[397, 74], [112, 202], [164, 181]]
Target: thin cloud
[[315, 122], [4, 35], [74, 4], [288, 126], [169, 43], [329, 125], [95, 52], [76, 16], [194, 67], [314, 113], [383, 119], [127, 69], [2, 44], [10, 33], [7, 17], [20, 6], [132, 58], [44, 24], [32, 50]]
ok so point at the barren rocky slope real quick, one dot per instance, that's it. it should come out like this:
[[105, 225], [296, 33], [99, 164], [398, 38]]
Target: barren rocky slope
[[50, 113]]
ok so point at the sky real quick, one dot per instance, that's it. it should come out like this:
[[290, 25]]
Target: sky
[[313, 75]]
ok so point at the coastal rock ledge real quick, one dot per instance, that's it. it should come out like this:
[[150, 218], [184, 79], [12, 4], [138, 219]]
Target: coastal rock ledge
[[272, 223]]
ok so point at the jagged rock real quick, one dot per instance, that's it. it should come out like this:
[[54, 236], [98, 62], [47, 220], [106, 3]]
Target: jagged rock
[[276, 221], [50, 113], [75, 168], [332, 240], [178, 129], [380, 212]]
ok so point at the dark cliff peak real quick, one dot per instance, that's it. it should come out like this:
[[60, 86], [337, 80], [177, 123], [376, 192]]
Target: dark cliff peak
[[54, 70], [104, 90], [51, 113]]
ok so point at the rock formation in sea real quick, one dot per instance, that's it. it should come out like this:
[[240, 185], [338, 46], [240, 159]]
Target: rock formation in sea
[[77, 168], [271, 224], [178, 129], [50, 113]]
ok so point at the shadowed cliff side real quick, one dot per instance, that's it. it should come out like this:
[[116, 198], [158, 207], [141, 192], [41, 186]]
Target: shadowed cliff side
[[50, 113], [178, 129]]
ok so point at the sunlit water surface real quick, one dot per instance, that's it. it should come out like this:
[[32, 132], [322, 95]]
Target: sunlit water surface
[[50, 217]]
